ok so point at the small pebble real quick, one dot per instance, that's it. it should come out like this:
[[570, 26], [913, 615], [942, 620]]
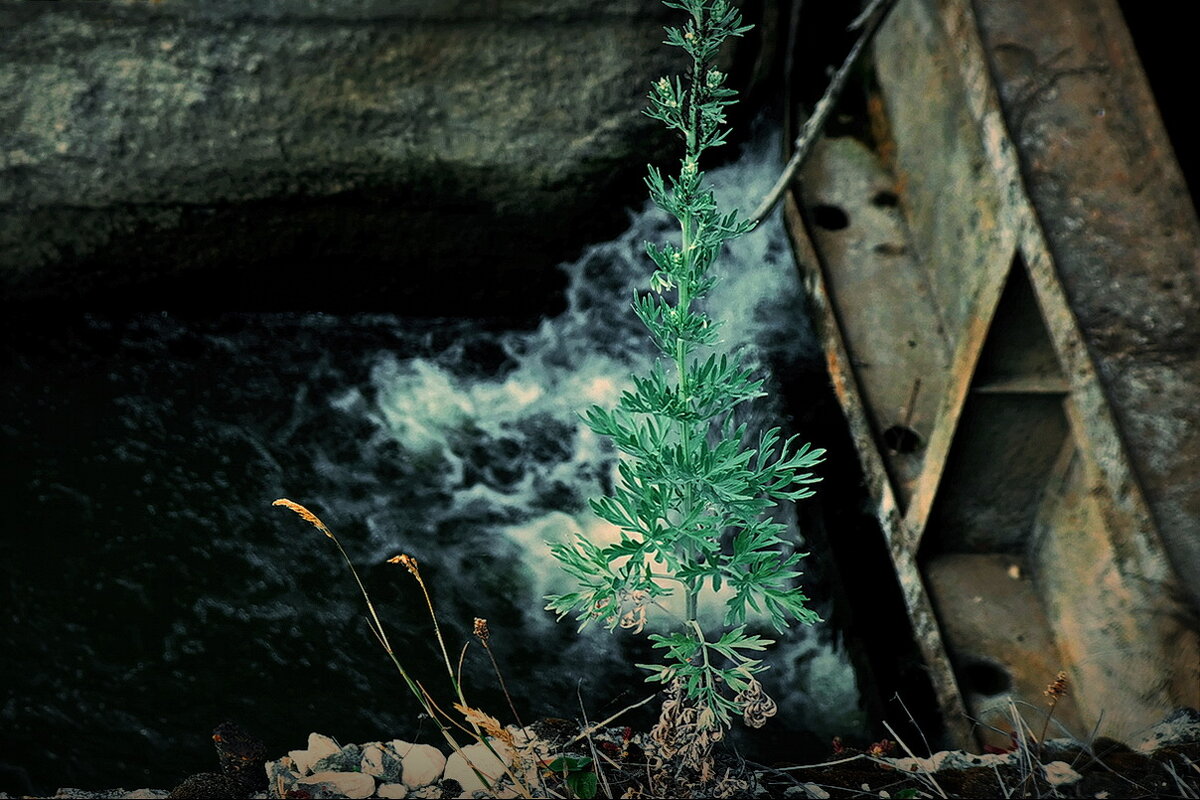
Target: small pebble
[[1059, 773]]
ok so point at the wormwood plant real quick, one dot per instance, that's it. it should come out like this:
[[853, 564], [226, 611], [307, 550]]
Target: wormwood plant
[[694, 493]]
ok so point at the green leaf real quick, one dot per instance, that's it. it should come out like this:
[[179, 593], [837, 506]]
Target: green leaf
[[693, 496], [583, 784], [569, 764]]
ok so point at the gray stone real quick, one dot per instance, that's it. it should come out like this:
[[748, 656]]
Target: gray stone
[[338, 784], [380, 761], [282, 775], [348, 759], [392, 790]]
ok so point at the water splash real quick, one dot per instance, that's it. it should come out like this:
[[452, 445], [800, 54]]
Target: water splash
[[146, 450], [511, 446]]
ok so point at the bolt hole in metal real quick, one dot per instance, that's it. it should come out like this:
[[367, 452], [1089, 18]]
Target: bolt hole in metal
[[986, 678], [885, 199], [902, 439], [831, 218]]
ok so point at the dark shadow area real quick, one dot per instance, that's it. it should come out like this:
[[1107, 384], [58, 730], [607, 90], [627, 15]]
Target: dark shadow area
[[1166, 47]]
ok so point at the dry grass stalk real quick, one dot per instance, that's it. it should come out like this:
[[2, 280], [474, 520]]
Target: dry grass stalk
[[483, 634], [439, 717], [925, 773]]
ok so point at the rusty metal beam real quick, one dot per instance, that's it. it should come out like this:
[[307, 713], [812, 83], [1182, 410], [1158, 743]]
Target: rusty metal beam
[[846, 388], [1039, 233], [1121, 238]]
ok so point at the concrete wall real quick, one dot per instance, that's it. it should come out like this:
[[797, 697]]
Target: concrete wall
[[314, 151]]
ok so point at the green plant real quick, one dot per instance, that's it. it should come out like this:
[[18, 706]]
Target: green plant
[[576, 775], [695, 491]]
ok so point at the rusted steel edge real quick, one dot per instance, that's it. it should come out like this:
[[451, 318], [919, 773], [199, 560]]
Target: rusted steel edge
[[954, 399], [845, 387], [1125, 506]]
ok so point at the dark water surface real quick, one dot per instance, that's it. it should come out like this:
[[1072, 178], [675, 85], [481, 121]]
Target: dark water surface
[[149, 590]]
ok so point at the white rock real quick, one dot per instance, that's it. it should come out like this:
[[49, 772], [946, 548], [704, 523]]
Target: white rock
[[147, 794], [483, 760], [950, 759], [422, 765], [372, 759], [319, 747], [1183, 725], [400, 747], [380, 761], [353, 785], [392, 790], [1059, 773]]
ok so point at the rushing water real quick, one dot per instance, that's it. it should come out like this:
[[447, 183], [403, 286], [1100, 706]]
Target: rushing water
[[150, 590]]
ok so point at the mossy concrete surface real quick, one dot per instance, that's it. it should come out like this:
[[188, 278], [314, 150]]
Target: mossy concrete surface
[[307, 152]]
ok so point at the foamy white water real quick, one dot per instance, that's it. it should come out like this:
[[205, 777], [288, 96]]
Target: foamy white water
[[513, 447]]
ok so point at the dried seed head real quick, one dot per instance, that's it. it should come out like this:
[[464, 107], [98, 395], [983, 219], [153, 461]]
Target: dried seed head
[[481, 630], [634, 619], [1058, 688], [305, 514], [756, 705], [409, 563], [490, 725]]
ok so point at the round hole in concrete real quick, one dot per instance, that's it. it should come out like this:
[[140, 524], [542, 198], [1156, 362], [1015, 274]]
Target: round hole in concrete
[[885, 199], [902, 439], [831, 218], [986, 678]]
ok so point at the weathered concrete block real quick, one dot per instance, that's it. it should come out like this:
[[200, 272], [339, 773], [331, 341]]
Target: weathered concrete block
[[248, 152]]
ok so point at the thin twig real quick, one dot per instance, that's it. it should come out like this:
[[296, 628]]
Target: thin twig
[[913, 756], [593, 728], [1184, 789], [825, 764], [1000, 782], [503, 686], [432, 705], [900, 700], [591, 745], [875, 13], [462, 655]]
